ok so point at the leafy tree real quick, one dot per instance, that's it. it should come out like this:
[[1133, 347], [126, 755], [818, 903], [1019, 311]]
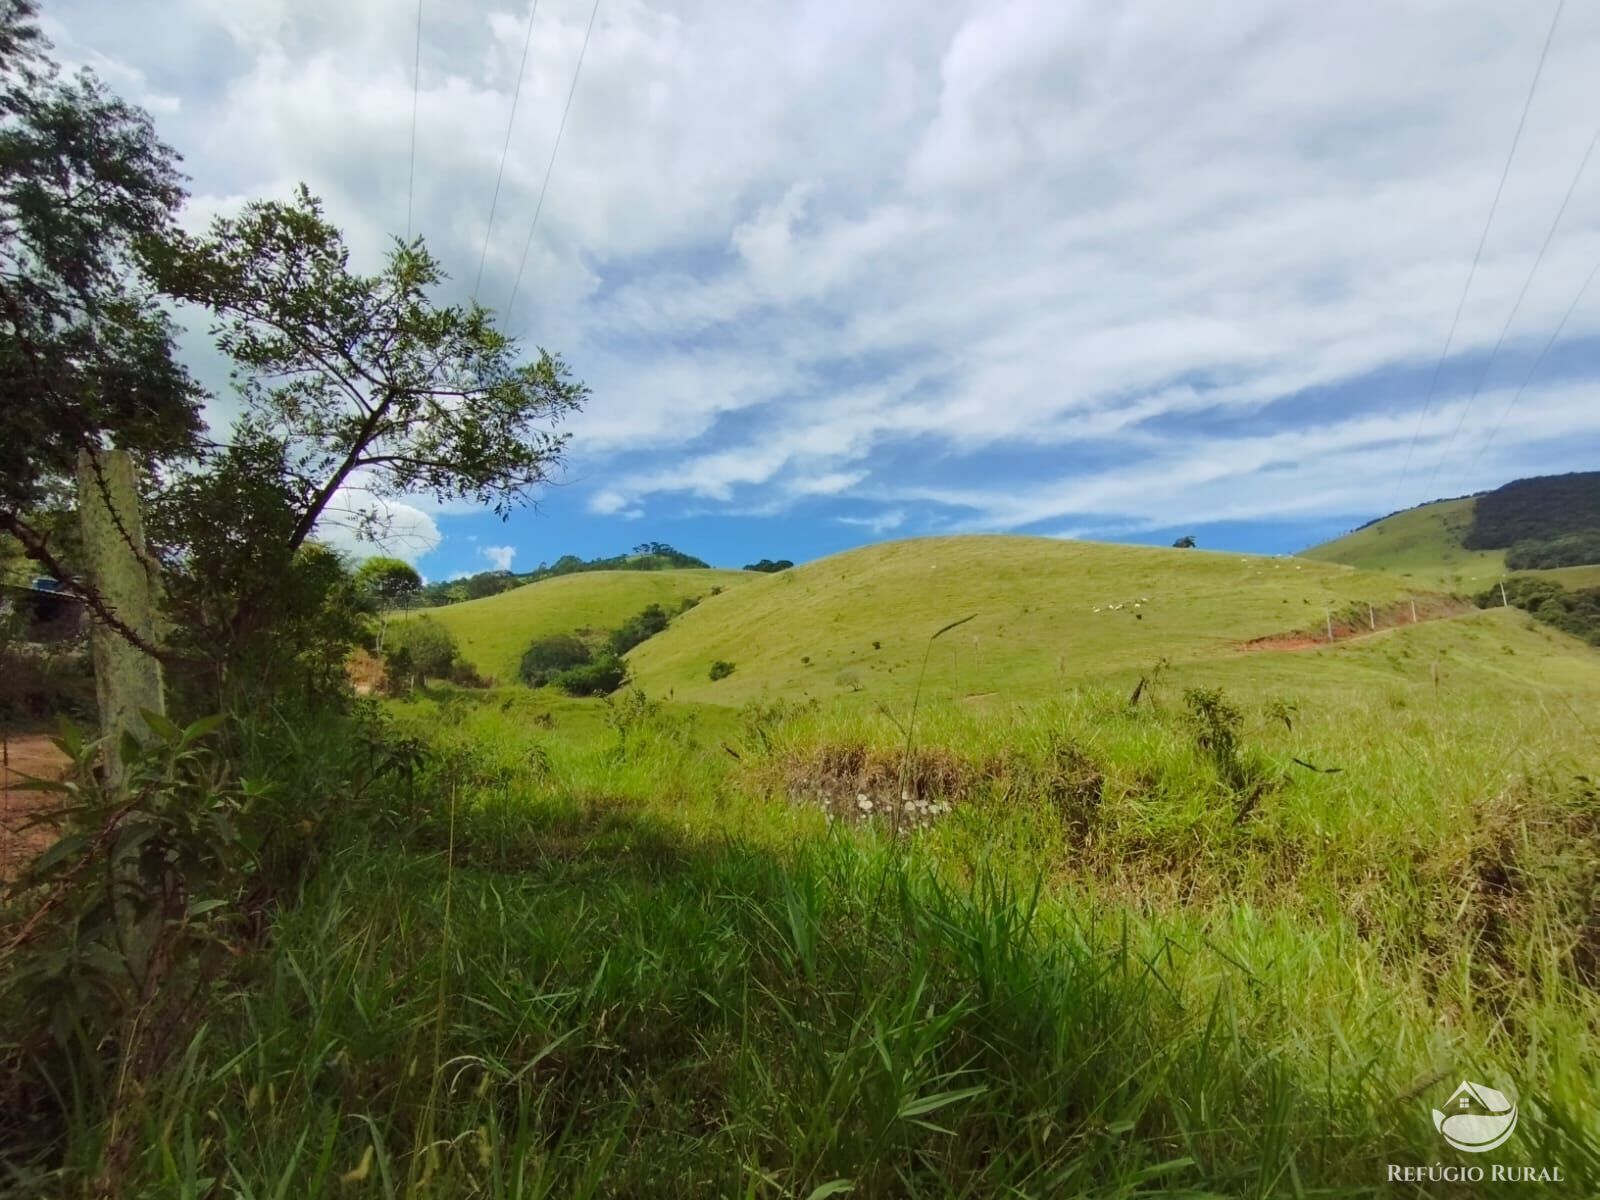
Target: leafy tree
[[769, 566], [488, 583], [347, 379], [1186, 542], [547, 657], [86, 350], [423, 648], [390, 581], [387, 582], [720, 669], [364, 378]]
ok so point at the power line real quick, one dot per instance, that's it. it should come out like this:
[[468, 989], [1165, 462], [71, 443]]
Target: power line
[[1537, 362], [1515, 308], [516, 94], [550, 166], [416, 87], [1478, 254]]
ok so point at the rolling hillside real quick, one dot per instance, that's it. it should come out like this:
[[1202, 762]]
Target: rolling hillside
[[1422, 543], [1042, 610], [494, 631], [1461, 544]]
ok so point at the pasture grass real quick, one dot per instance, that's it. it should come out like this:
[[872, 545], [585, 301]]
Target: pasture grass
[[1044, 612], [493, 632], [642, 949]]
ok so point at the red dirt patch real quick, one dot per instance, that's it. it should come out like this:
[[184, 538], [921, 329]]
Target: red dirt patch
[[1358, 622], [30, 755]]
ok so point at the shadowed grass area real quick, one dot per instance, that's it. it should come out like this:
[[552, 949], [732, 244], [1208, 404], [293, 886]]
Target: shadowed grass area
[[642, 1016]]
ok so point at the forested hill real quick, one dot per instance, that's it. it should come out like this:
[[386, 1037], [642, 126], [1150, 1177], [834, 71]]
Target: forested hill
[[1547, 521]]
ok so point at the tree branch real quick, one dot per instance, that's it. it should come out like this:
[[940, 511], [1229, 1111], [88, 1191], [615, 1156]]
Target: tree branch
[[36, 548]]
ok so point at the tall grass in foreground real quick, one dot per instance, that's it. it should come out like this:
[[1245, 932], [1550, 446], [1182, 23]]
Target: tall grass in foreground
[[645, 1017], [641, 962]]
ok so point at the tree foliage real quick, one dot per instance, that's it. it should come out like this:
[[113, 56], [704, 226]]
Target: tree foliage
[[389, 581], [369, 389], [547, 657], [421, 649], [1572, 611], [769, 566], [1568, 550], [86, 351], [651, 620], [1536, 510]]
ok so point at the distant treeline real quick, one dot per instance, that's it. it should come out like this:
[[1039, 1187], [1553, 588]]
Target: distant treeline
[[648, 556], [1550, 521], [1572, 611]]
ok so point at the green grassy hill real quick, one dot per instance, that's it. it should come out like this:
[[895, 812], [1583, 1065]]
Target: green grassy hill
[[1423, 544], [494, 631], [1042, 610], [1430, 544]]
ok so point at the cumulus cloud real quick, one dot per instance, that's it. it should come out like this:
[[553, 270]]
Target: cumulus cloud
[[886, 252], [499, 556]]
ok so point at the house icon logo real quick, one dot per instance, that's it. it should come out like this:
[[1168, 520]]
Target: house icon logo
[[1476, 1118]]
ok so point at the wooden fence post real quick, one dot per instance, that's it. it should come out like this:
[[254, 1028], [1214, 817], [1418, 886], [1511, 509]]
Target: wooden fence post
[[127, 680]]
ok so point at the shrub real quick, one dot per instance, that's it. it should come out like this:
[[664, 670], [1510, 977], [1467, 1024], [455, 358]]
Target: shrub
[[1216, 723], [419, 650], [721, 669], [605, 674], [547, 657], [849, 678], [650, 621]]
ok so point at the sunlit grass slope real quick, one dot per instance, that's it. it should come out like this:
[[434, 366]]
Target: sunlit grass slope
[[493, 632], [857, 624], [1422, 544]]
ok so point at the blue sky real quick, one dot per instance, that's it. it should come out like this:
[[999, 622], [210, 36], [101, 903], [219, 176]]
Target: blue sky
[[838, 272]]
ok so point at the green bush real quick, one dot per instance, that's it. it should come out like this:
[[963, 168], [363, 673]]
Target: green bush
[[721, 669], [419, 650], [605, 674], [547, 657], [650, 621]]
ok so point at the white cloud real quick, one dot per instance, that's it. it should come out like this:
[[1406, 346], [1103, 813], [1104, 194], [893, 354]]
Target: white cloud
[[792, 245], [878, 524], [499, 556]]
